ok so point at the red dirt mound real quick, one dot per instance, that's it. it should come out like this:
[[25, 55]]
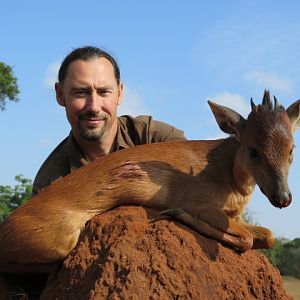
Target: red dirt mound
[[129, 253]]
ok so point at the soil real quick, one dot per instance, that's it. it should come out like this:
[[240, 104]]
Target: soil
[[132, 253]]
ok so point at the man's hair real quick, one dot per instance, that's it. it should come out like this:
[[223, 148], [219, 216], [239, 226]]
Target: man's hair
[[86, 53]]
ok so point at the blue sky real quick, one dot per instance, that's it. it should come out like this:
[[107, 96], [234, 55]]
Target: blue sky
[[174, 56]]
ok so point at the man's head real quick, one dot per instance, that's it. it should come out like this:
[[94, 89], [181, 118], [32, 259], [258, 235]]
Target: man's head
[[86, 53], [90, 89]]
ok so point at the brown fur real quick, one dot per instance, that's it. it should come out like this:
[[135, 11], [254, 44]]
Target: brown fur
[[206, 184]]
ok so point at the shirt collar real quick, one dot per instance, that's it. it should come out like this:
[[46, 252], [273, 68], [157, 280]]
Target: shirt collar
[[123, 140]]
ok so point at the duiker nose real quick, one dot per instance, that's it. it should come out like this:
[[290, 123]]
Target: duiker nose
[[281, 199]]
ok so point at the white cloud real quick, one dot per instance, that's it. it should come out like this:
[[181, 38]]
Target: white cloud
[[44, 143], [51, 74], [233, 101], [133, 104], [269, 81]]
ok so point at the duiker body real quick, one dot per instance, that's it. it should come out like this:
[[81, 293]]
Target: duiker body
[[204, 184]]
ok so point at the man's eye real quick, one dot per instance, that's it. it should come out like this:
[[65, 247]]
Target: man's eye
[[80, 92], [104, 92]]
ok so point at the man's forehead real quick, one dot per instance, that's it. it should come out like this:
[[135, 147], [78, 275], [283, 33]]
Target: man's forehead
[[94, 62], [99, 70]]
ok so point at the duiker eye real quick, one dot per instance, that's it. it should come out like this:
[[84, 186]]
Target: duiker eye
[[253, 153]]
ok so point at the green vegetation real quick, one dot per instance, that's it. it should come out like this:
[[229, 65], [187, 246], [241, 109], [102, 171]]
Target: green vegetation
[[8, 85], [12, 197], [285, 254]]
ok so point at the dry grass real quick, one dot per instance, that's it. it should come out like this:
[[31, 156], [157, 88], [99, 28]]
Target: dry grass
[[292, 286]]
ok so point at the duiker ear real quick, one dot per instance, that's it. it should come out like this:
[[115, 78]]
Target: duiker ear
[[293, 112], [228, 120]]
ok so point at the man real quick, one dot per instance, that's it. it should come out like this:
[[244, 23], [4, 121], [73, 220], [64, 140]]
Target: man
[[90, 89]]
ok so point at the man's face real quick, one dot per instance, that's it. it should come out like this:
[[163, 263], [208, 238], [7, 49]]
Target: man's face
[[90, 94]]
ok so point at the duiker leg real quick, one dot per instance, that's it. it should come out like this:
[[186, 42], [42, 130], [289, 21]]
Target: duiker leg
[[219, 227], [262, 237]]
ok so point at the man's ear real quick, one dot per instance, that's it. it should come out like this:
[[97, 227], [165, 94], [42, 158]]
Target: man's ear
[[121, 93], [228, 120], [59, 94]]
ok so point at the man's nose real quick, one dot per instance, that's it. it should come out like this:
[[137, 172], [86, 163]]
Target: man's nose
[[93, 103]]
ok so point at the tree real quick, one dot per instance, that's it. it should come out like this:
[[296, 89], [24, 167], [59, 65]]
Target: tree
[[284, 255], [8, 85], [12, 197], [275, 252], [289, 259]]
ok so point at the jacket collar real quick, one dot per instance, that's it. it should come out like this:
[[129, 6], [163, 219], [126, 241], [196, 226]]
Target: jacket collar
[[77, 159]]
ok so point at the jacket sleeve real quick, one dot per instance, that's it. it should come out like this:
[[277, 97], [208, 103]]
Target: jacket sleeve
[[163, 132]]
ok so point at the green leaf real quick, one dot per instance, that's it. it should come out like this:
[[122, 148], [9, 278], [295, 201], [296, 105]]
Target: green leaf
[[8, 85], [13, 197]]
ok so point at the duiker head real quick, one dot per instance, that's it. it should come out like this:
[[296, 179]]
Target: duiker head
[[267, 143]]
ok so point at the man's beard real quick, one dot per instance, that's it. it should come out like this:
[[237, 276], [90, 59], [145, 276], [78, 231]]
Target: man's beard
[[93, 134]]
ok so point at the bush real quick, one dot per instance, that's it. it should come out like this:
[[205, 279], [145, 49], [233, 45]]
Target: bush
[[12, 197]]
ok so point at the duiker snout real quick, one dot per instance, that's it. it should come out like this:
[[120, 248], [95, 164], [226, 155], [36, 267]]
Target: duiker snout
[[281, 199], [276, 189]]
